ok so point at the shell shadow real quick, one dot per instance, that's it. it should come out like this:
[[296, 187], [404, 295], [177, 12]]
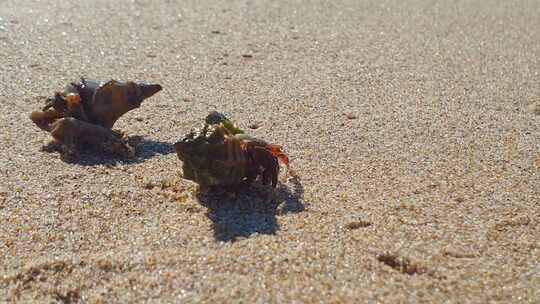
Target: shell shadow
[[252, 211], [89, 156]]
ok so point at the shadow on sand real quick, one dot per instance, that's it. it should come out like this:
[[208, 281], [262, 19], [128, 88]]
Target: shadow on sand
[[145, 149], [252, 211]]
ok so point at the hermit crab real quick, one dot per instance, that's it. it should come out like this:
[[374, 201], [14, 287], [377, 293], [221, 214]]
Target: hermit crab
[[223, 155], [85, 112]]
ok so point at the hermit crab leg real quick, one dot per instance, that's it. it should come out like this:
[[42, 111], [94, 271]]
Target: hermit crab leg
[[269, 163]]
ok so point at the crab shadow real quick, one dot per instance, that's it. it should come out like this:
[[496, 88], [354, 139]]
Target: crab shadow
[[251, 212], [145, 149]]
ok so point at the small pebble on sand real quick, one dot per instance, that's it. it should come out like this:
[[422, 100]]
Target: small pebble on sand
[[351, 116]]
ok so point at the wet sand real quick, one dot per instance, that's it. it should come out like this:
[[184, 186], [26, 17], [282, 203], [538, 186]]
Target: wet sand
[[413, 126]]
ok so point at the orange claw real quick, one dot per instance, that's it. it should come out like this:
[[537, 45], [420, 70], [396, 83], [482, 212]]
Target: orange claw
[[277, 151]]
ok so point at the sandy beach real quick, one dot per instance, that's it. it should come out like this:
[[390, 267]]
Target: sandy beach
[[413, 128]]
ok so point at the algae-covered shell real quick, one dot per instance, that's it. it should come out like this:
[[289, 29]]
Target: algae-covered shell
[[222, 154], [207, 158]]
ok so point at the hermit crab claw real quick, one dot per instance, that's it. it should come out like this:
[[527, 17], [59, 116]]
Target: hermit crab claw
[[149, 89]]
